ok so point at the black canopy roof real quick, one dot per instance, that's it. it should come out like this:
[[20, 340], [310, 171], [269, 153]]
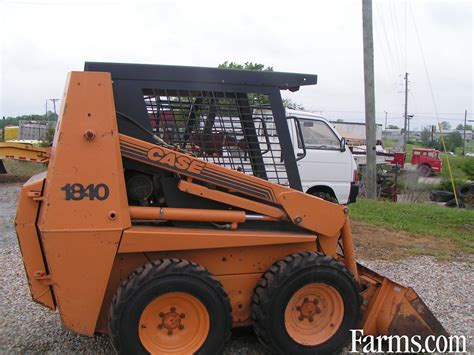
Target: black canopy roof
[[124, 71]]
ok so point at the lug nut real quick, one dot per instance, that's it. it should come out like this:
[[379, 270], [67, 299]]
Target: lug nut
[[160, 326], [181, 327], [170, 332], [161, 314], [182, 315], [173, 309], [301, 318]]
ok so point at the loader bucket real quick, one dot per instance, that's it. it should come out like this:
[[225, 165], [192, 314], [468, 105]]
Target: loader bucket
[[392, 309]]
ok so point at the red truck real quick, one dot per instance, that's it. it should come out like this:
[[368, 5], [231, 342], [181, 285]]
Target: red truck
[[427, 161]]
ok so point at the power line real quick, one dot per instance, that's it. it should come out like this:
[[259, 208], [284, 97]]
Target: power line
[[396, 31], [390, 73], [406, 40], [434, 103], [424, 61], [389, 63], [444, 119], [382, 21]]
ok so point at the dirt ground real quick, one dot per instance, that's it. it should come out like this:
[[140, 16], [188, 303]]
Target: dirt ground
[[376, 243]]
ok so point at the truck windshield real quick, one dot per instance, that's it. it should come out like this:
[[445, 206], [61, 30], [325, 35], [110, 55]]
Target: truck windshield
[[318, 135]]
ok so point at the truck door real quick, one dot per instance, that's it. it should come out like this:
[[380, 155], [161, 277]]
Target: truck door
[[324, 163]]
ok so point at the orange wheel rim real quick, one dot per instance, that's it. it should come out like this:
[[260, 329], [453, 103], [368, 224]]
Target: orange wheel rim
[[314, 314], [174, 323]]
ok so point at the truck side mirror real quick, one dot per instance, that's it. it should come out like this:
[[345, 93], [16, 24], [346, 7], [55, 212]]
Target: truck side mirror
[[343, 145]]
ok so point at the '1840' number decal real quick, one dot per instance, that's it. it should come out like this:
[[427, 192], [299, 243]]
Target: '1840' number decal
[[77, 192]]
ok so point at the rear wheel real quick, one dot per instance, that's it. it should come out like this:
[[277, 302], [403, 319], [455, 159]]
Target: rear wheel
[[306, 304], [325, 196], [424, 170], [170, 306]]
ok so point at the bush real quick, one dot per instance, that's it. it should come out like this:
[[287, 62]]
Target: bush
[[467, 166], [445, 184]]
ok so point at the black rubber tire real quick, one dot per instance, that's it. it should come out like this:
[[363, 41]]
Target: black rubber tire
[[441, 196], [325, 196], [279, 284], [160, 277], [424, 170]]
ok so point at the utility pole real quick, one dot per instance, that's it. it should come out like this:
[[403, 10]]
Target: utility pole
[[386, 120], [369, 88], [406, 114], [46, 109], [54, 106], [409, 117], [464, 140], [408, 128], [433, 130]]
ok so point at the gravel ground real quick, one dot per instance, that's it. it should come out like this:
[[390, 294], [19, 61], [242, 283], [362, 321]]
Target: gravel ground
[[25, 327]]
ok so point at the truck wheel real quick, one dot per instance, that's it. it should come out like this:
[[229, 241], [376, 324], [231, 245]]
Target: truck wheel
[[170, 306], [424, 170], [306, 303], [325, 196]]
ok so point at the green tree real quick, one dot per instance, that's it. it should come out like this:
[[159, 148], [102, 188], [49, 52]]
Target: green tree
[[261, 99], [49, 137], [255, 99], [245, 66], [15, 120], [289, 103], [460, 127], [453, 140], [445, 125]]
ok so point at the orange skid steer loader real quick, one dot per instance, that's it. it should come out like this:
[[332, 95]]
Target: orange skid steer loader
[[172, 211]]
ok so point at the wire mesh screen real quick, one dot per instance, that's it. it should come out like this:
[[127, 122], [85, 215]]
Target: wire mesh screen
[[232, 129]]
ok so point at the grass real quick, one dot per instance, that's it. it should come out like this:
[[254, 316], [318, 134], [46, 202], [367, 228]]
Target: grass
[[389, 143], [419, 220]]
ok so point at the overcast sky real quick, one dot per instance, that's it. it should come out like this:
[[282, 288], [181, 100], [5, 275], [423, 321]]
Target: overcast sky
[[42, 40]]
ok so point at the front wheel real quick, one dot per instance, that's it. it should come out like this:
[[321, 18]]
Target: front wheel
[[306, 303], [170, 306]]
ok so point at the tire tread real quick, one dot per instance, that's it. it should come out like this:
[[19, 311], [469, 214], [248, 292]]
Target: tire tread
[[275, 277], [158, 268]]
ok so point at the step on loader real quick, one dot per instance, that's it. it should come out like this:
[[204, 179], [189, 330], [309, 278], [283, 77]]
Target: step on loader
[[172, 211]]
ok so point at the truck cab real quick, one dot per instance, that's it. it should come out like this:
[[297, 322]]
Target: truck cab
[[426, 160], [327, 168]]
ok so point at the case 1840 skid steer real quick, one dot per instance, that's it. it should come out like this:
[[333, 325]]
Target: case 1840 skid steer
[[171, 212]]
